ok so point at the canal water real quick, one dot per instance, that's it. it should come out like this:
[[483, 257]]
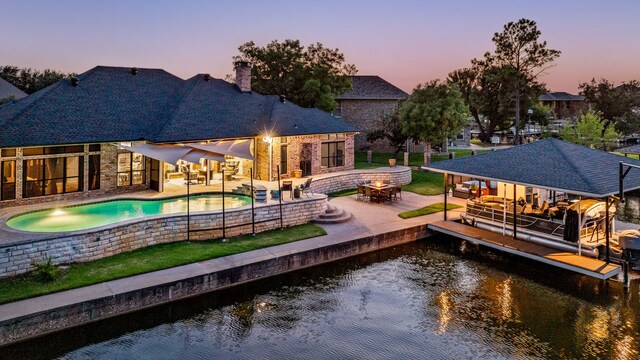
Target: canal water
[[435, 299]]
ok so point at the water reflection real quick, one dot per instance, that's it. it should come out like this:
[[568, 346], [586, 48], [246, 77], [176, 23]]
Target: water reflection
[[420, 301]]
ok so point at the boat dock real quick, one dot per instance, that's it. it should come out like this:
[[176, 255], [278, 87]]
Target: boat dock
[[562, 259]]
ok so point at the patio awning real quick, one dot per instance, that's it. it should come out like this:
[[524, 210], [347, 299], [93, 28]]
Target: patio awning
[[168, 153], [237, 148], [171, 154], [550, 164]]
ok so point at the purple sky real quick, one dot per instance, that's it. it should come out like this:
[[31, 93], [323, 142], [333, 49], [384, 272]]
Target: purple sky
[[405, 42]]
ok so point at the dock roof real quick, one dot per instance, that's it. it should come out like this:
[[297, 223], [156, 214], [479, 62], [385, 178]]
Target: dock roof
[[551, 164]]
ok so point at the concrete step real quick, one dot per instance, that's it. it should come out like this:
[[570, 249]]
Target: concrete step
[[333, 216]]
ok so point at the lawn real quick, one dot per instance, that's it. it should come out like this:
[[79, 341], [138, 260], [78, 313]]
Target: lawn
[[343, 193], [415, 159], [425, 183], [149, 259], [430, 209]]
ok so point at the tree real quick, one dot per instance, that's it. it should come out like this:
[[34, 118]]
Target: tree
[[30, 80], [433, 112], [389, 127], [590, 130], [492, 86], [618, 105], [309, 77]]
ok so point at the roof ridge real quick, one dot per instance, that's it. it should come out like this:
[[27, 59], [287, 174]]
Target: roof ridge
[[185, 93], [571, 163]]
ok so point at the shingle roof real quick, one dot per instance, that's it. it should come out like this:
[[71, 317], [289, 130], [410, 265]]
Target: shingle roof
[[7, 90], [560, 96], [633, 149], [110, 104], [372, 87], [551, 164]]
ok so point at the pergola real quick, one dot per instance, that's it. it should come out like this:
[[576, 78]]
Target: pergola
[[549, 164]]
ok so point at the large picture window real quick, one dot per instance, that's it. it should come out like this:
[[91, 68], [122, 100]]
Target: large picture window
[[8, 180], [283, 159], [333, 154], [131, 169], [52, 176]]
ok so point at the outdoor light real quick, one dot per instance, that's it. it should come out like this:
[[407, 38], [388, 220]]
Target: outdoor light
[[268, 139], [57, 212]]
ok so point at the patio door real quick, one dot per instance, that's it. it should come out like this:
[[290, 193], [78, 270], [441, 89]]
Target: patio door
[[155, 175]]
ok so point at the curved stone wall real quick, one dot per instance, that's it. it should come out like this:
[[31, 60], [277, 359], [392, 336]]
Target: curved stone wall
[[88, 245], [400, 175]]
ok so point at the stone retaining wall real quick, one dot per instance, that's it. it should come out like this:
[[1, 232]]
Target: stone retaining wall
[[87, 246], [399, 175], [235, 272]]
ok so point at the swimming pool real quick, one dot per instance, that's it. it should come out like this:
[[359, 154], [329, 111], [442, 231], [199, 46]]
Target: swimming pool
[[88, 216]]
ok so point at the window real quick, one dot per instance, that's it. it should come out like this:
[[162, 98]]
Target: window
[[8, 153], [52, 176], [52, 150], [8, 182], [94, 172], [94, 147], [131, 169], [283, 159], [333, 154]]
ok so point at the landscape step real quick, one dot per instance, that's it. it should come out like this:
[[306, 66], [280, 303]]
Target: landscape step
[[332, 215]]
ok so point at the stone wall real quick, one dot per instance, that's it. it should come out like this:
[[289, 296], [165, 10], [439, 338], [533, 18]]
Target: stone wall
[[89, 245], [399, 175], [97, 305]]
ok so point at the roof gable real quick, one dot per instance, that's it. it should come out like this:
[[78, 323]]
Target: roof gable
[[560, 96], [549, 163], [8, 90], [372, 87]]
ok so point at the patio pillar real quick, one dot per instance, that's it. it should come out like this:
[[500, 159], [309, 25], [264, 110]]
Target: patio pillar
[[515, 205], [207, 176], [446, 180]]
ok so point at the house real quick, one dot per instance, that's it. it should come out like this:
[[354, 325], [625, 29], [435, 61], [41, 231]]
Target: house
[[8, 91], [69, 140], [563, 104], [369, 100]]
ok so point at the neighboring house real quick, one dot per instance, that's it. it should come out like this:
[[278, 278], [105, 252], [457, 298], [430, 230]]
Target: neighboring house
[[369, 99], [563, 104], [8, 91], [65, 141]]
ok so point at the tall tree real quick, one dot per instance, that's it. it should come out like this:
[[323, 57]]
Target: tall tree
[[30, 80], [618, 105], [309, 77], [491, 86], [590, 130], [389, 127], [433, 112]]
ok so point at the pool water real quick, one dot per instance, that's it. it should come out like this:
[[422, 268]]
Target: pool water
[[99, 214]]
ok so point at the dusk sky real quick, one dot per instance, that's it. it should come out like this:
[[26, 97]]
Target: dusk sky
[[405, 42]]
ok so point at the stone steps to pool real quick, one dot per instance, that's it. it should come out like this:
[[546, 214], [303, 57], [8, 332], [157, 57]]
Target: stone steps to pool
[[260, 193], [332, 215]]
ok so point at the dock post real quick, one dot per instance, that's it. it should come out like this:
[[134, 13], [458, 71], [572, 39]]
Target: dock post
[[515, 205], [224, 224], [253, 210], [279, 197], [446, 180], [606, 228]]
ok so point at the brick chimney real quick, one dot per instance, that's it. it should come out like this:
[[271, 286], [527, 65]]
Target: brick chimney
[[243, 76]]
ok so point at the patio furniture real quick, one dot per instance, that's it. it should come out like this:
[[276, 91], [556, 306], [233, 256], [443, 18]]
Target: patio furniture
[[368, 193], [360, 193], [399, 192], [394, 194], [287, 186], [201, 179], [191, 178], [306, 187]]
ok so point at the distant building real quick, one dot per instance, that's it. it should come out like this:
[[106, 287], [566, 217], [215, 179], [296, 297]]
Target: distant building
[[563, 104], [370, 98], [8, 91]]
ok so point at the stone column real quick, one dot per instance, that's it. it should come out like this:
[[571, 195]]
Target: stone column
[[369, 157], [19, 173], [406, 158]]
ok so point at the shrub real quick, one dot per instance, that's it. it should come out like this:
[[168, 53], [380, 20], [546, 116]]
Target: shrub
[[46, 271]]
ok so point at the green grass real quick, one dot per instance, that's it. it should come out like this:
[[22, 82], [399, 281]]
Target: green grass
[[415, 159], [425, 183], [149, 259], [430, 209], [343, 193]]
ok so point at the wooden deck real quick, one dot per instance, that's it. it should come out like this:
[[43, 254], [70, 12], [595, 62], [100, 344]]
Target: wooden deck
[[566, 260]]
